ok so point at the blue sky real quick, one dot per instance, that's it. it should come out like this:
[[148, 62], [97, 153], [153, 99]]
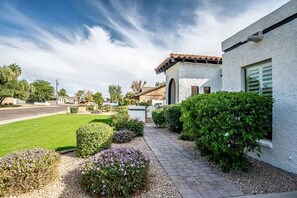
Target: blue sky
[[89, 44]]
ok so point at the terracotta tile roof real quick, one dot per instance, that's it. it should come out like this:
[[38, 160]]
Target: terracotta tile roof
[[146, 90], [174, 58]]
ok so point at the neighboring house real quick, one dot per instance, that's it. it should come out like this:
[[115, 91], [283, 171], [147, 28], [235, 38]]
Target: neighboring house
[[150, 94], [262, 58], [71, 100], [188, 75]]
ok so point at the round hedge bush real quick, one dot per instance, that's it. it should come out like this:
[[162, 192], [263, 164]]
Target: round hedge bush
[[123, 136], [92, 138], [27, 170], [115, 172], [159, 117]]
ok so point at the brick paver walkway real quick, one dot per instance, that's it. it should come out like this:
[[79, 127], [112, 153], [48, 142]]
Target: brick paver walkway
[[192, 177]]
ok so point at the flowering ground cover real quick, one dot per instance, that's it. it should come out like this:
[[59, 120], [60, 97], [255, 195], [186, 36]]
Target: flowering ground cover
[[55, 132]]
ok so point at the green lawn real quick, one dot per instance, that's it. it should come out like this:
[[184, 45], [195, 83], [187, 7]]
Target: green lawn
[[53, 132]]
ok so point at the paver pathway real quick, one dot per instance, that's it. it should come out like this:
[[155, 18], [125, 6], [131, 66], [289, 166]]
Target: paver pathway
[[192, 177]]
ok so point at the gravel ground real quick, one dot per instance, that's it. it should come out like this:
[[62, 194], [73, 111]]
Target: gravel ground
[[261, 178], [67, 186]]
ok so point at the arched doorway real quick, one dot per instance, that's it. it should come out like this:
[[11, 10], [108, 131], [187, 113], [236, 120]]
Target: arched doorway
[[172, 92]]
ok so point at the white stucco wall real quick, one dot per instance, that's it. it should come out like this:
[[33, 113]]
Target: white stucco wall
[[279, 45], [172, 73], [193, 74]]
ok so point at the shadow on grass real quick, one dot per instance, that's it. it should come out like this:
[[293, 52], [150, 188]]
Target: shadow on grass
[[104, 120], [63, 148]]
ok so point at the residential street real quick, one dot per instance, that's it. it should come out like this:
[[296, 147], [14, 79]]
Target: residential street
[[8, 114]]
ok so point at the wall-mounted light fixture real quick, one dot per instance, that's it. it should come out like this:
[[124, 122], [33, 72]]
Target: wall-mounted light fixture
[[256, 37]]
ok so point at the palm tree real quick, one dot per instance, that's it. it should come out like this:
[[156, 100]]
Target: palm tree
[[16, 70], [137, 86]]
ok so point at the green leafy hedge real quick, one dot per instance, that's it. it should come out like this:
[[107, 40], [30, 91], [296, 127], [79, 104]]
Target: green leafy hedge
[[172, 116], [118, 172], [73, 109], [27, 170], [227, 124], [159, 117], [92, 138], [122, 121]]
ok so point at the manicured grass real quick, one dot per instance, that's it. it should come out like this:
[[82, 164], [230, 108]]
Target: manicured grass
[[53, 132]]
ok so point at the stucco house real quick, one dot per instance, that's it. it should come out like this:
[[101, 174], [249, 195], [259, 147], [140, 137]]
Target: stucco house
[[151, 94], [188, 75], [262, 58]]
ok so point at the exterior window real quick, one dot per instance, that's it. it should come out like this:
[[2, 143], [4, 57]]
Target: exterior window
[[207, 90], [259, 79], [195, 90]]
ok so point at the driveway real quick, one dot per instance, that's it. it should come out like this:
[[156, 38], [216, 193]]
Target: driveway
[[10, 114]]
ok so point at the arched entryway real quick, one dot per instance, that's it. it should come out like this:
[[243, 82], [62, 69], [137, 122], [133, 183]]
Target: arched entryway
[[172, 92]]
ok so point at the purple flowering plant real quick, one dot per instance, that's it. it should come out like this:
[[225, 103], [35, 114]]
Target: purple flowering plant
[[123, 136], [115, 172], [27, 170]]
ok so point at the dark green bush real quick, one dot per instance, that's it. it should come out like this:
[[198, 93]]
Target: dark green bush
[[73, 109], [27, 170], [172, 116], [92, 138], [90, 108], [120, 120], [136, 126], [10, 103], [107, 108], [228, 124], [123, 136], [159, 117], [118, 172]]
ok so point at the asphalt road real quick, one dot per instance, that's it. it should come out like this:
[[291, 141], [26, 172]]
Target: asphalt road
[[9, 114]]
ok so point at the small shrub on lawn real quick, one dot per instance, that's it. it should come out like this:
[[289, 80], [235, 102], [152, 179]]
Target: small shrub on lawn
[[228, 124], [123, 136], [118, 172], [159, 117], [73, 110], [136, 126], [92, 138], [10, 103], [27, 170], [107, 108], [90, 108], [172, 116]]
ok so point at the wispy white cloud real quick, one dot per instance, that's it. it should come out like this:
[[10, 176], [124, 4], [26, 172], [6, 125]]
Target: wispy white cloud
[[90, 57]]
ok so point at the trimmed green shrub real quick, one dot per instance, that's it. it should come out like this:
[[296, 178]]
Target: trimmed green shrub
[[172, 116], [123, 136], [73, 109], [90, 108], [27, 170], [92, 138], [118, 172], [120, 120], [159, 117], [136, 126], [228, 124], [107, 108]]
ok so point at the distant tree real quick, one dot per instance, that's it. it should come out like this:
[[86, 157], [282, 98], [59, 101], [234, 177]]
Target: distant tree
[[159, 83], [43, 91], [80, 94], [62, 92], [137, 86], [130, 95], [98, 98], [10, 86], [115, 92]]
